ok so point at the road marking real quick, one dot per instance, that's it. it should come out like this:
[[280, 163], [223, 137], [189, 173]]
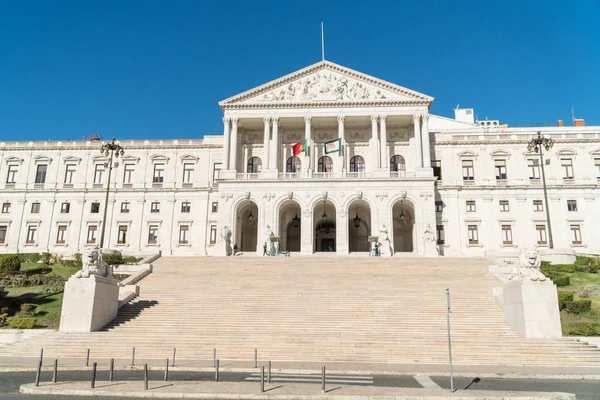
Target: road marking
[[315, 378], [426, 382]]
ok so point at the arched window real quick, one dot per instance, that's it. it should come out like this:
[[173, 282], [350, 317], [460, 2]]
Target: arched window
[[293, 164], [254, 165], [357, 164], [325, 164], [397, 164]]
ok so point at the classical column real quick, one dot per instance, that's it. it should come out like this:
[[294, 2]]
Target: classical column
[[307, 137], [341, 155], [418, 146], [425, 140], [384, 158], [233, 150], [306, 232], [375, 141], [275, 159], [226, 122], [266, 141]]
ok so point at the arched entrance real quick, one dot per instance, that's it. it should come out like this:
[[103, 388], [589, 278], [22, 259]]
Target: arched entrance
[[324, 222], [246, 222], [359, 226], [403, 214], [290, 226]]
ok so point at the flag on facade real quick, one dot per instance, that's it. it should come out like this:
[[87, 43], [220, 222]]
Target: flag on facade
[[333, 146], [299, 148]]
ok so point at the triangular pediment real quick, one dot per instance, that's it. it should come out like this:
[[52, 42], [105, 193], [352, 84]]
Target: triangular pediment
[[326, 82]]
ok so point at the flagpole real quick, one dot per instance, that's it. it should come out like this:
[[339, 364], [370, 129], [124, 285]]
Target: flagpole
[[322, 43]]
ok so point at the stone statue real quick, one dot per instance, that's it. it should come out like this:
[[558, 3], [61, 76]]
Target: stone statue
[[429, 235], [226, 236], [384, 242], [93, 264], [268, 234], [528, 265]]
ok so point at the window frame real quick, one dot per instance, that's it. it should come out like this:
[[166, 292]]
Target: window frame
[[473, 235], [186, 207], [41, 173], [501, 169], [471, 206], [569, 173], [507, 236], [70, 170], [213, 234], [6, 207], [468, 171], [61, 233], [504, 205], [31, 234], [185, 231], [158, 173], [541, 234], [35, 207], [254, 165], [188, 172], [122, 234], [92, 234], [128, 173], [99, 169], [293, 165], [357, 164], [153, 239], [11, 175], [65, 207], [3, 233], [325, 164], [533, 165], [125, 207], [571, 205], [95, 207], [155, 207], [576, 234], [214, 207], [538, 205], [397, 163]]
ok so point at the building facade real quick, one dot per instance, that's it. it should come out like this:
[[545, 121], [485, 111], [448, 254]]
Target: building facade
[[370, 161]]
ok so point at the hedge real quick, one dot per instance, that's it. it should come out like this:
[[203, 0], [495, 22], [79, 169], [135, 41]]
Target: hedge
[[561, 281], [113, 259], [578, 306], [584, 329], [563, 298], [22, 323], [10, 262]]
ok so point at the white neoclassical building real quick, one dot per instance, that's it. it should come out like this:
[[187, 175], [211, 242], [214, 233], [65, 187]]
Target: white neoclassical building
[[376, 164]]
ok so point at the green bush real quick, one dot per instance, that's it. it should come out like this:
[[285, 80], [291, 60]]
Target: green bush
[[10, 262], [54, 285], [586, 291], [28, 308], [29, 257], [582, 260], [584, 329], [45, 258], [21, 323], [563, 298], [3, 319], [578, 306], [41, 270], [113, 259], [561, 281], [131, 259]]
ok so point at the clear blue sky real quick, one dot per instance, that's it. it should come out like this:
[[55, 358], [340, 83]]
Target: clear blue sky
[[156, 69]]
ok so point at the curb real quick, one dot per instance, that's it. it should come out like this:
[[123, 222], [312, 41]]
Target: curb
[[497, 375], [33, 390]]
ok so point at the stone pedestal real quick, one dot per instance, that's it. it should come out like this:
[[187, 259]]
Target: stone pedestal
[[531, 308], [558, 256], [89, 303]]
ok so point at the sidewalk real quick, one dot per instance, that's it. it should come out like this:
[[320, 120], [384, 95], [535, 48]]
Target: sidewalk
[[244, 390], [9, 364]]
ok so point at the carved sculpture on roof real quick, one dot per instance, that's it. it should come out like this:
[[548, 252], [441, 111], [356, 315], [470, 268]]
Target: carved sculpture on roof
[[325, 86]]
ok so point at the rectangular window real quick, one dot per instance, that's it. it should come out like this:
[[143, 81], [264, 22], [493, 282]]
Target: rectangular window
[[441, 238], [504, 206], [159, 173], [11, 177], [572, 205], [185, 207], [65, 208], [437, 168], [40, 175], [128, 173], [576, 234], [567, 165], [500, 166], [5, 208], [541, 234], [217, 171], [62, 233], [534, 169], [187, 173], [184, 231], [99, 173], [473, 235], [91, 235], [597, 164], [95, 208], [69, 173], [122, 238], [213, 234], [31, 234], [125, 207], [215, 207], [468, 171], [35, 208], [439, 206], [507, 234], [155, 207], [3, 229], [153, 234], [538, 205], [471, 207]]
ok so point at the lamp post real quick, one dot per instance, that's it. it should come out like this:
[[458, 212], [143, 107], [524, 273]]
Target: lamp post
[[109, 150], [537, 144]]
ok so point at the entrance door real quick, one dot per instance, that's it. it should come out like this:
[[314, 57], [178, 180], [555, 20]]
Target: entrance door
[[328, 244]]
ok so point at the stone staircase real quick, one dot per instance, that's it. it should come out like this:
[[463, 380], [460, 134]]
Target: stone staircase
[[374, 310]]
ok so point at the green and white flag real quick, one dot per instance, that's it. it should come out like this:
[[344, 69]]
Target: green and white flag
[[333, 146]]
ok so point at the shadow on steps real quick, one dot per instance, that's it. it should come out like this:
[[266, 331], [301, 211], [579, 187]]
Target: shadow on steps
[[130, 312]]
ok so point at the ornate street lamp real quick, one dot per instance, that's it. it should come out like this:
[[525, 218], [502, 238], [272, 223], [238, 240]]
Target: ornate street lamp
[[251, 216], [356, 220], [324, 216], [536, 145], [296, 221], [109, 150], [402, 216]]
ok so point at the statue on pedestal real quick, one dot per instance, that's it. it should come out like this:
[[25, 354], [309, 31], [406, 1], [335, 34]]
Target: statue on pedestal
[[384, 242], [430, 241], [528, 265], [226, 236], [93, 264]]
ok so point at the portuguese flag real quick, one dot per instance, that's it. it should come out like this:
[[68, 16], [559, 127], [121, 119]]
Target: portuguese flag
[[299, 147]]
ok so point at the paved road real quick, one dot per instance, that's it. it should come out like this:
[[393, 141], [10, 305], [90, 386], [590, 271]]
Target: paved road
[[584, 389]]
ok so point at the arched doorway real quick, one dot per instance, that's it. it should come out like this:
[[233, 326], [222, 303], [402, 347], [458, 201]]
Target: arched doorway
[[290, 226], [254, 165], [398, 164], [324, 222], [359, 226], [246, 222], [403, 214]]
